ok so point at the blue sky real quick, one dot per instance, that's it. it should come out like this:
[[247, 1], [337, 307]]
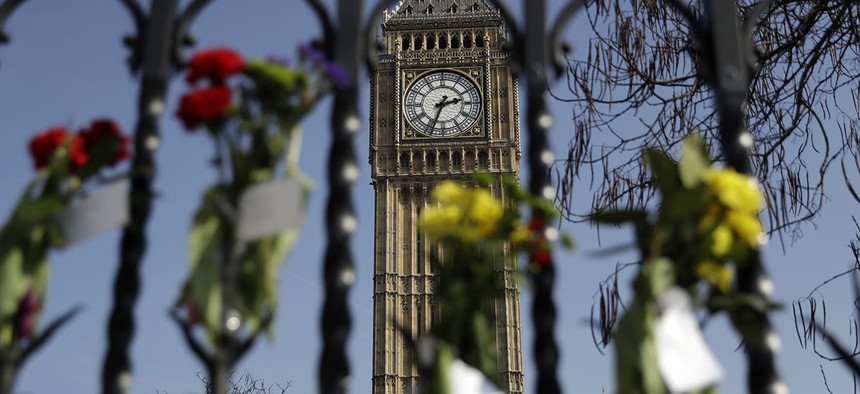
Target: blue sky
[[65, 65]]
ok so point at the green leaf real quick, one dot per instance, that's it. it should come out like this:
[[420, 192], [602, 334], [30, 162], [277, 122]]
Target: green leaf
[[13, 283], [635, 350], [694, 161], [444, 358], [38, 211], [659, 274], [664, 170], [201, 241], [567, 241], [683, 204], [203, 287]]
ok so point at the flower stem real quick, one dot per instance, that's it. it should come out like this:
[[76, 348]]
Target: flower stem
[[8, 373]]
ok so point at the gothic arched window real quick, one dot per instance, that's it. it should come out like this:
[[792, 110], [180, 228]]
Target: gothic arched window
[[431, 159], [483, 159], [457, 159]]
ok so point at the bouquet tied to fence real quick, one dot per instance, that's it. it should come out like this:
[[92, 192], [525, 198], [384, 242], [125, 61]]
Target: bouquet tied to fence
[[69, 166], [251, 112]]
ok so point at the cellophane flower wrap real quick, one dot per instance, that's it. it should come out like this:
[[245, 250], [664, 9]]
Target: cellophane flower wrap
[[67, 166], [251, 111], [474, 229]]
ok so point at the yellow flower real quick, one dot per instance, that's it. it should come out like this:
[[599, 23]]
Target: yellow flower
[[438, 222], [735, 191], [484, 214], [721, 239], [520, 234], [716, 274], [471, 214], [709, 220], [449, 193], [747, 227]]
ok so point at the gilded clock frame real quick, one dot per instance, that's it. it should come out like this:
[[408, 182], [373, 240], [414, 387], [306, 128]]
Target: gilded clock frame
[[475, 75]]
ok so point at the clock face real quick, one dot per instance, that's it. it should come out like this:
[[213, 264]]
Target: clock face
[[442, 104]]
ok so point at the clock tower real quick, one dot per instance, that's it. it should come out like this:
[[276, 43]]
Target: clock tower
[[444, 105]]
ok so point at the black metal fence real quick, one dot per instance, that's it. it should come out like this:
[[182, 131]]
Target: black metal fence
[[157, 53]]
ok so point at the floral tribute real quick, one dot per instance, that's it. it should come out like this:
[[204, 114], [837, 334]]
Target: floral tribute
[[704, 230], [251, 110], [68, 165], [473, 227]]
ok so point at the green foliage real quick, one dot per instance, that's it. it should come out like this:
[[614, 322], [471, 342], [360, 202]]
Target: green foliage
[[257, 141], [473, 253], [705, 225]]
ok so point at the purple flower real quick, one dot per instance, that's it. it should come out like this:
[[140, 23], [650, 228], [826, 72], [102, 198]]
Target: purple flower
[[25, 319], [338, 74], [312, 52]]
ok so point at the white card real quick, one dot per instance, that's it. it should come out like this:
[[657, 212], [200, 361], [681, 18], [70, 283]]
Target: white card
[[468, 380], [268, 208], [102, 211], [683, 358]]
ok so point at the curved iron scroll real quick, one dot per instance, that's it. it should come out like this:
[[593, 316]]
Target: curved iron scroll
[[181, 36], [154, 48], [6, 9]]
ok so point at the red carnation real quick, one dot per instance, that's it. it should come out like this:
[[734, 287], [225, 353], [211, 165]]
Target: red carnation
[[106, 128], [216, 64], [78, 153], [203, 105], [43, 145]]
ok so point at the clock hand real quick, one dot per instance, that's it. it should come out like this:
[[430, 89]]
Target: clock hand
[[439, 105], [438, 112], [442, 103]]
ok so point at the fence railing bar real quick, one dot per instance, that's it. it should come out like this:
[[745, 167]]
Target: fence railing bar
[[731, 79], [341, 222], [157, 44], [538, 151]]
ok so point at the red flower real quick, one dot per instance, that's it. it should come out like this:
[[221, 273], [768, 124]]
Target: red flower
[[203, 105], [216, 64], [541, 256], [78, 153], [541, 251], [43, 145], [105, 128]]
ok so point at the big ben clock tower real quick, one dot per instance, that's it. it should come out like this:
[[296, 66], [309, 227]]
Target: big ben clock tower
[[443, 106]]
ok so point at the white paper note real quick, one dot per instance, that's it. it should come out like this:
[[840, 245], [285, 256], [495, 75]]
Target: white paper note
[[102, 211], [466, 379], [268, 208], [683, 358]]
